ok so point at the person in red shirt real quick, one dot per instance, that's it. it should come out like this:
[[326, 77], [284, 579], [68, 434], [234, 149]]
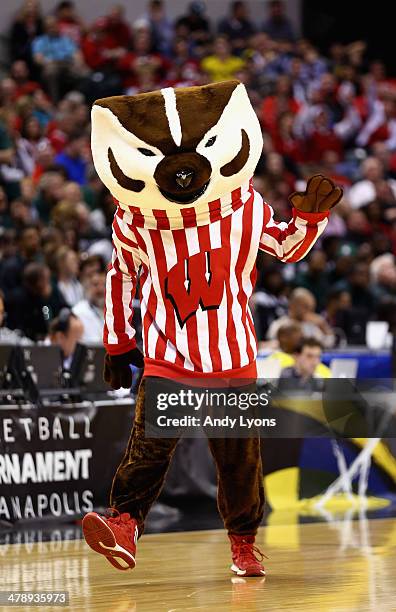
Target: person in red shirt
[[107, 41], [184, 70], [117, 27], [60, 129], [280, 102], [45, 161], [69, 22], [285, 141], [322, 137], [142, 67], [23, 85], [100, 48]]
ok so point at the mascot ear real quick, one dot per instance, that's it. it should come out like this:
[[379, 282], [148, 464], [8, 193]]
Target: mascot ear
[[102, 127], [103, 123]]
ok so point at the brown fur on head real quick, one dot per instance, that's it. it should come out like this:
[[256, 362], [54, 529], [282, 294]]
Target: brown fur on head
[[173, 147]]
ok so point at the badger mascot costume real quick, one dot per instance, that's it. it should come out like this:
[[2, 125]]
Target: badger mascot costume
[[188, 227]]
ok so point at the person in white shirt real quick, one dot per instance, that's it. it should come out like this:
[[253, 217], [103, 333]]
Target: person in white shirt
[[372, 186], [67, 266], [90, 310]]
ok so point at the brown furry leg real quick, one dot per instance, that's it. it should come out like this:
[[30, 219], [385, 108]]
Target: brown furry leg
[[240, 483], [141, 474]]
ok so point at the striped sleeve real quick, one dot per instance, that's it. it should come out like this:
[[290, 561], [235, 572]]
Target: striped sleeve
[[291, 241], [121, 280]]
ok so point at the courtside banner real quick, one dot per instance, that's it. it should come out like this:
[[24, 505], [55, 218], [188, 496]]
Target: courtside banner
[[59, 461]]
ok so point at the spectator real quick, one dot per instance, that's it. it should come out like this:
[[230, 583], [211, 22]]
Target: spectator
[[315, 278], [90, 266], [59, 59], [285, 141], [50, 191], [66, 331], [117, 26], [9, 336], [7, 101], [303, 374], [274, 106], [383, 276], [67, 266], [322, 137], [277, 182], [5, 218], [238, 28], [161, 28], [29, 144], [302, 306], [142, 68], [69, 23], [373, 185], [73, 159], [101, 50], [194, 25], [21, 214], [222, 65], [90, 309], [357, 284], [31, 306], [10, 174], [358, 230], [290, 338], [269, 302], [61, 129], [381, 122], [8, 245], [43, 108], [29, 244], [337, 313], [26, 27], [74, 219], [185, 69], [277, 25], [24, 85]]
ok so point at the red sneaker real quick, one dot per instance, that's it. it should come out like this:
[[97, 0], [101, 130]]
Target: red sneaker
[[114, 537], [244, 559]]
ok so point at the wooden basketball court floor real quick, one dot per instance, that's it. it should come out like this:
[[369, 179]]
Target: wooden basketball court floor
[[338, 566]]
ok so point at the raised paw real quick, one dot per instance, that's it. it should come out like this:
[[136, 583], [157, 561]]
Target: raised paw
[[320, 195]]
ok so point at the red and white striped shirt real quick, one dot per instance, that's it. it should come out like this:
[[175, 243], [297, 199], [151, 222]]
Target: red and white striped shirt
[[196, 281]]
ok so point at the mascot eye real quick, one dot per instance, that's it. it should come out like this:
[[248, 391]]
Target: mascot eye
[[146, 152], [211, 141]]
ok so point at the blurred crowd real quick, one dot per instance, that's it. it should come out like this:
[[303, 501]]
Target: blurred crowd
[[333, 113]]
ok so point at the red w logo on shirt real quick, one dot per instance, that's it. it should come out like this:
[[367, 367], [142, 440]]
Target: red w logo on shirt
[[195, 282]]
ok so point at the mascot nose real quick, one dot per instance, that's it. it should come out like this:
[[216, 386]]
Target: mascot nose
[[184, 177]]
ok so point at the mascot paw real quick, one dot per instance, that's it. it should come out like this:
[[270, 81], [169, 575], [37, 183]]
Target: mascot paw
[[320, 195], [117, 372]]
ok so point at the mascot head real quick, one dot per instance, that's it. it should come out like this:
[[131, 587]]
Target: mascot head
[[176, 147]]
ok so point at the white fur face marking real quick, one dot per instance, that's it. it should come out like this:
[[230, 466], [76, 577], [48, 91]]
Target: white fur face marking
[[172, 114], [107, 133], [238, 115]]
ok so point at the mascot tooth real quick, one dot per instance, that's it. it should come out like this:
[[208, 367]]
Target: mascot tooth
[[187, 228]]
